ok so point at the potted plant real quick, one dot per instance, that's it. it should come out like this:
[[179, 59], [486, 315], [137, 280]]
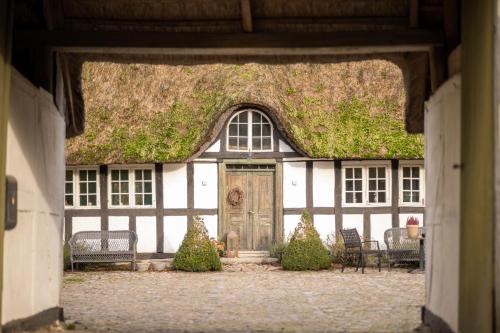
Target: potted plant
[[412, 227]]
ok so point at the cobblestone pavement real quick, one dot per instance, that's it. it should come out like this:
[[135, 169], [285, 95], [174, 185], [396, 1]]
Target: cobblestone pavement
[[256, 300]]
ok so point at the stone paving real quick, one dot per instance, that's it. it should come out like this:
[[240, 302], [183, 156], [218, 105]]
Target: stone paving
[[258, 299]]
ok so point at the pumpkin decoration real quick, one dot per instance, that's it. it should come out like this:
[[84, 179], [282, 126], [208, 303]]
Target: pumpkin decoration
[[235, 196]]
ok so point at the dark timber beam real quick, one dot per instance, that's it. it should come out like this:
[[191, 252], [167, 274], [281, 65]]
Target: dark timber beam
[[413, 14], [53, 13], [105, 41], [246, 15]]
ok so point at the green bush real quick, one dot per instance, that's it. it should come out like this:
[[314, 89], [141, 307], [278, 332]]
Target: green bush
[[305, 250], [277, 250], [196, 253]]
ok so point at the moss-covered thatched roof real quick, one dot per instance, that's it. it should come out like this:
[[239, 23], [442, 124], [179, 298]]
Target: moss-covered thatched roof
[[157, 113]]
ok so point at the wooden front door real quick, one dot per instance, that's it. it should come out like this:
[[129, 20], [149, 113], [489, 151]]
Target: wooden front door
[[252, 216]]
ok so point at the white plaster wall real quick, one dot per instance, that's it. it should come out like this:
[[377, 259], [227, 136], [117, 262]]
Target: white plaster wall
[[289, 224], [325, 225], [146, 234], [284, 147], [205, 185], [211, 224], [175, 185], [32, 274], [85, 223], [404, 217], [379, 223], [294, 184], [215, 148], [353, 221], [442, 151], [323, 184], [174, 230], [118, 223]]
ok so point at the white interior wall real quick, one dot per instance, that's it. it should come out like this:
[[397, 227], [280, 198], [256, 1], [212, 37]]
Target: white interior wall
[[211, 224], [324, 184], [353, 221], [175, 185], [325, 225], [85, 223], [205, 181], [146, 234], [174, 230], [289, 224], [294, 185], [32, 274], [118, 223], [442, 151], [379, 223]]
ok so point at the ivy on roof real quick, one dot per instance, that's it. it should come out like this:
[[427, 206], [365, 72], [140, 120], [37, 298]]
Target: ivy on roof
[[139, 113]]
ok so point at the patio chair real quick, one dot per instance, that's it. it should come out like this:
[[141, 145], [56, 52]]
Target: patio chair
[[354, 247]]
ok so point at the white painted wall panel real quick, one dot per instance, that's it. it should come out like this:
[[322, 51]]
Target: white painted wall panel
[[442, 211], [211, 222], [353, 221], [289, 224], [323, 184], [325, 225], [174, 185], [284, 147], [379, 223], [403, 217], [118, 223], [215, 148], [146, 234], [85, 223], [294, 184], [174, 230], [205, 185]]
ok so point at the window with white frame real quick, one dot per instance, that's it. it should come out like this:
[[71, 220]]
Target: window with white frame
[[411, 185], [132, 187], [377, 185], [119, 188], [249, 130], [366, 185], [87, 188], [353, 185], [69, 189]]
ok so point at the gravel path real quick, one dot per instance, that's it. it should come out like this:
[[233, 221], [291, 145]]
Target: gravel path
[[245, 301]]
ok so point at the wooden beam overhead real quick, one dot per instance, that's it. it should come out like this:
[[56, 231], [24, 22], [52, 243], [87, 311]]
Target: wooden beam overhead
[[414, 11], [54, 14], [89, 41], [451, 24], [246, 15]]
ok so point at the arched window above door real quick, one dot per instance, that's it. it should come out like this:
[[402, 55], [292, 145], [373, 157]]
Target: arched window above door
[[249, 130]]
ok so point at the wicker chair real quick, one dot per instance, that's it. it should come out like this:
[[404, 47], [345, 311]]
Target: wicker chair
[[103, 246], [354, 247], [401, 248]]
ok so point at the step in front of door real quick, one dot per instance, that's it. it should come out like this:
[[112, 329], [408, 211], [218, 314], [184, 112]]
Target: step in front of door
[[253, 254]]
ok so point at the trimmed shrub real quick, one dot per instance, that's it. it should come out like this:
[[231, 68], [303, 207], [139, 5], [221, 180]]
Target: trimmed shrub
[[196, 253], [277, 250], [305, 250]]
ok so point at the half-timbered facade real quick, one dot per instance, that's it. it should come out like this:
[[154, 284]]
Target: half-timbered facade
[[249, 176]]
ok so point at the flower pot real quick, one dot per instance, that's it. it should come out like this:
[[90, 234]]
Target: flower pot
[[159, 265], [412, 231], [142, 266]]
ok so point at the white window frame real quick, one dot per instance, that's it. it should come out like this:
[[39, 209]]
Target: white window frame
[[73, 177], [250, 132], [76, 187], [365, 165], [415, 163], [131, 185]]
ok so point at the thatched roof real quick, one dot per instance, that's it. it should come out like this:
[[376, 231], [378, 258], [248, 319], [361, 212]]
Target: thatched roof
[[157, 113]]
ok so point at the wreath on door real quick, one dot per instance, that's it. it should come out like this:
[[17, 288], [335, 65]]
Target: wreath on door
[[235, 196]]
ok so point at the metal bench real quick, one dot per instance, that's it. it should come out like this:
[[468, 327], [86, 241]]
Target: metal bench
[[401, 248], [354, 247], [103, 247]]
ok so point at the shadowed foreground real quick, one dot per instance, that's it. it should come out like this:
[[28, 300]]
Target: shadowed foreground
[[255, 301]]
